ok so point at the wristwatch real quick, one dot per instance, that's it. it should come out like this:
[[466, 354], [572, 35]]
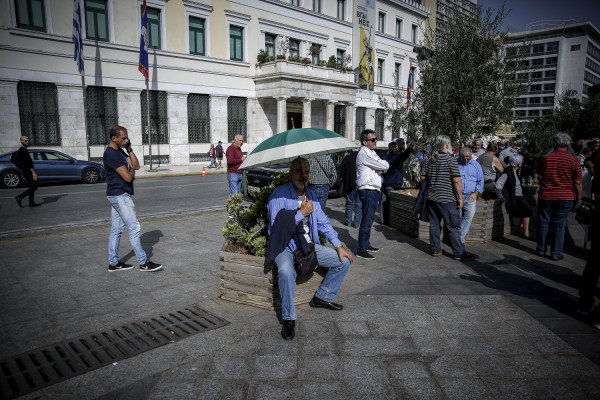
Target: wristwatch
[[129, 151]]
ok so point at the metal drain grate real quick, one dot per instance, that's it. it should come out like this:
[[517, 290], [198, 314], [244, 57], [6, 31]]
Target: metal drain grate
[[43, 367]]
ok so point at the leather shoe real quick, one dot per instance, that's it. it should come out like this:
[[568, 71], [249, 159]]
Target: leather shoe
[[557, 258], [317, 302], [437, 253], [19, 201], [35, 205], [287, 331]]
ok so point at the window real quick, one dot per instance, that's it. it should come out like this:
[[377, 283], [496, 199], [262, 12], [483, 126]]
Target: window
[[381, 22], [380, 71], [317, 6], [198, 106], [236, 117], [341, 9], [534, 113], [536, 62], [548, 99], [535, 88], [96, 20], [552, 46], [379, 122], [315, 52], [520, 113], [536, 75], [547, 112], [102, 113], [397, 74], [413, 34], [534, 100], [398, 28], [538, 48], [551, 60], [361, 121], [294, 2], [549, 86], [153, 28], [339, 119], [196, 36], [38, 112], [31, 15], [340, 54], [550, 74], [236, 43], [270, 41], [159, 120], [576, 47], [294, 48]]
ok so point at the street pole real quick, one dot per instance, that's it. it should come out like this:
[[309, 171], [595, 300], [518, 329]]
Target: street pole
[[148, 123], [85, 109]]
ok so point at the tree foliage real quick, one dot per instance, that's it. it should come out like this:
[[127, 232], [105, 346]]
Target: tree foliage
[[537, 139], [467, 87]]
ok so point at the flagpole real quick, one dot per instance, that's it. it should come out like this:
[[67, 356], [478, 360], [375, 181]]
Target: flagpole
[[148, 122], [85, 110]]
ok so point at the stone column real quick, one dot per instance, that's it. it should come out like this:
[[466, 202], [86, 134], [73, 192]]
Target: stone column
[[218, 119], [179, 149], [72, 121], [129, 105], [282, 113], [350, 118], [256, 124], [306, 112], [10, 129], [370, 118], [329, 108]]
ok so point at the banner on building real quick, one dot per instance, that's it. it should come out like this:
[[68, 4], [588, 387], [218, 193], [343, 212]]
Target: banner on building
[[78, 54], [363, 42], [143, 64]]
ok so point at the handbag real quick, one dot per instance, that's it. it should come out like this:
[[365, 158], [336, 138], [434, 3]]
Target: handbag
[[305, 264]]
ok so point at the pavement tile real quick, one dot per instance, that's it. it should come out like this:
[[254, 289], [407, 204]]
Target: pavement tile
[[316, 329], [366, 347], [275, 367], [353, 328], [322, 389], [324, 367], [464, 388], [273, 389], [406, 369], [418, 389]]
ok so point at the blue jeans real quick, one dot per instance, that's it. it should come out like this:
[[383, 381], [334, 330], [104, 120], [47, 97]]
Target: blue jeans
[[322, 192], [451, 216], [552, 213], [123, 213], [213, 162], [369, 200], [353, 204], [235, 183], [467, 213], [329, 288]]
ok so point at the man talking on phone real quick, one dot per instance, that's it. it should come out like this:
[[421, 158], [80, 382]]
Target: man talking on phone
[[120, 163]]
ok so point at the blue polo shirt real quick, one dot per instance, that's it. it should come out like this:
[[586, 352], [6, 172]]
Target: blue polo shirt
[[471, 175], [115, 185]]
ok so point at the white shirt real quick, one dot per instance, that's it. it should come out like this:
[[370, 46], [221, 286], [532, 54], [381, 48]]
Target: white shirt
[[367, 163]]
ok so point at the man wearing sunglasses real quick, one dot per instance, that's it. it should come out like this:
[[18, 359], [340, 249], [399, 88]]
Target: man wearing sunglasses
[[369, 168]]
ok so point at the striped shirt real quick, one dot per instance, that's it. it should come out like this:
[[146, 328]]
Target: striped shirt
[[439, 173], [559, 171]]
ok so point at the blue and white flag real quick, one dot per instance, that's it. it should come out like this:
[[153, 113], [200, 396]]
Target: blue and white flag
[[77, 40], [143, 65]]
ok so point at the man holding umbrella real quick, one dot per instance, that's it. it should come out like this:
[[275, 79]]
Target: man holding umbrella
[[292, 207]]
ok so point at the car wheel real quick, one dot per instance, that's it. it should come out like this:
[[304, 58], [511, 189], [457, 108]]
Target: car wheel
[[91, 175], [10, 179]]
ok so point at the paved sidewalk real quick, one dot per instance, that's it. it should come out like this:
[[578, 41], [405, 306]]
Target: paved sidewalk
[[174, 170], [413, 326]]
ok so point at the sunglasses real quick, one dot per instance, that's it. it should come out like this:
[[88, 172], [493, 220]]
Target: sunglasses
[[372, 140]]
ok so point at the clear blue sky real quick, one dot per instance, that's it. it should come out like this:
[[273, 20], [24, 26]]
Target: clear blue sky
[[528, 11]]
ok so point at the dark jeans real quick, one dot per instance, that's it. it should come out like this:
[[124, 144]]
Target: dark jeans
[[451, 216], [322, 192], [353, 204], [552, 213], [33, 185], [369, 200], [589, 278]]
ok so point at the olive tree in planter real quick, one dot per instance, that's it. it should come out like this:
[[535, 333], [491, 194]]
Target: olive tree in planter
[[245, 276]]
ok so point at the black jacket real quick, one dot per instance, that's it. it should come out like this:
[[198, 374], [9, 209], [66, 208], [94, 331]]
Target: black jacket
[[26, 161], [283, 229], [348, 172]]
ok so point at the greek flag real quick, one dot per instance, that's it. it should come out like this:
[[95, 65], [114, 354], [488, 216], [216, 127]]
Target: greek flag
[[77, 40], [143, 65], [409, 86]]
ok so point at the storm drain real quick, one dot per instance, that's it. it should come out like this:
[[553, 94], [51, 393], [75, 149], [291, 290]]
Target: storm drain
[[43, 367]]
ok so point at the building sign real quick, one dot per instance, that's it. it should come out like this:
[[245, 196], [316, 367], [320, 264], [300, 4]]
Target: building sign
[[363, 42]]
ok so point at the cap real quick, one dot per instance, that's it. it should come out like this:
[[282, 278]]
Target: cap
[[220, 141]]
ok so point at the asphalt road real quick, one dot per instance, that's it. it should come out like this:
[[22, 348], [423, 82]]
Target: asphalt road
[[77, 204]]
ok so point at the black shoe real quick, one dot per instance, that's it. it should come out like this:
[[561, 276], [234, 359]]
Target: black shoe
[[34, 204], [317, 302], [287, 331], [466, 256], [121, 266], [19, 201], [149, 266], [365, 255], [557, 258], [373, 249]]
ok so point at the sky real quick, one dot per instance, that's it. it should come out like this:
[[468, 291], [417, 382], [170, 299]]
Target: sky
[[530, 11]]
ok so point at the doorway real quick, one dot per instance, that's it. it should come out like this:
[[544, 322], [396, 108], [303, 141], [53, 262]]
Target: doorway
[[296, 118]]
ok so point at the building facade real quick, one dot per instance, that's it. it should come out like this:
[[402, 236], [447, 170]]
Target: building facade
[[205, 81], [560, 61]]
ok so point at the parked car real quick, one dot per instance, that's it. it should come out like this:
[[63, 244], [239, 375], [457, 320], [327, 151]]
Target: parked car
[[50, 165], [257, 178]]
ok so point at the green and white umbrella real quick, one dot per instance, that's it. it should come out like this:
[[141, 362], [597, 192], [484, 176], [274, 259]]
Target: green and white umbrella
[[300, 142]]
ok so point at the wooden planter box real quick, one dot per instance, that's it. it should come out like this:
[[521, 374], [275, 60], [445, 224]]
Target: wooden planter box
[[490, 222], [247, 279]]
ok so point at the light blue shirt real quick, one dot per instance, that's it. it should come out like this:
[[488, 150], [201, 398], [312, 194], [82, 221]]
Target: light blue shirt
[[471, 175]]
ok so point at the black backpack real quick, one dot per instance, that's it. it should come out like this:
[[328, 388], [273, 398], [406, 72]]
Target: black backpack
[[15, 159]]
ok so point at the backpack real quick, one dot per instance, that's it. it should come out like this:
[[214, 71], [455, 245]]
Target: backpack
[[15, 159]]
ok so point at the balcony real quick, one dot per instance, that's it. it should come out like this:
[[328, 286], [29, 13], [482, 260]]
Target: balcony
[[302, 71]]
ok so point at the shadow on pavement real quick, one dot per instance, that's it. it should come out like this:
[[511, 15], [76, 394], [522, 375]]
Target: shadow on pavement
[[148, 239]]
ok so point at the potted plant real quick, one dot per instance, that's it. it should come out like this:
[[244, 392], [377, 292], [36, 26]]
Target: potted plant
[[332, 62], [262, 57], [283, 45]]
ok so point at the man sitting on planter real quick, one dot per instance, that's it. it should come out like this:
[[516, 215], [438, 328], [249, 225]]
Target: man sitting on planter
[[298, 209]]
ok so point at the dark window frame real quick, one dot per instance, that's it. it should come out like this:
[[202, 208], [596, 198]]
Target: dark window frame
[[194, 32], [198, 106], [159, 117], [236, 36], [237, 117], [19, 13], [154, 19], [102, 113], [38, 113], [96, 13]]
